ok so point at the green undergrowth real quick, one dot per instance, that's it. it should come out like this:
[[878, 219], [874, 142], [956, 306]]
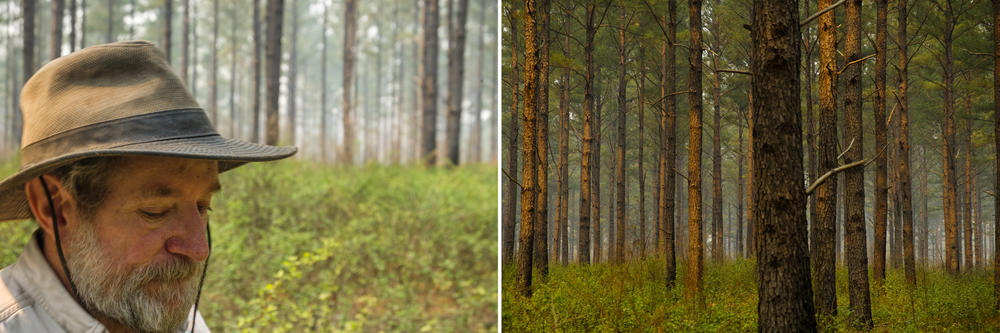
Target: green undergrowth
[[300, 247], [634, 298]]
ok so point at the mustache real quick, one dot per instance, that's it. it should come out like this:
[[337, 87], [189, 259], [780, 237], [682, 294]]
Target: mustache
[[175, 269]]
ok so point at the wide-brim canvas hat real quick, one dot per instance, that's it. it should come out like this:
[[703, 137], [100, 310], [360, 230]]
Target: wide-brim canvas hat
[[114, 100]]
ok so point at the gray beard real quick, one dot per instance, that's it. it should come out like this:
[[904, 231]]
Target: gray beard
[[153, 298]]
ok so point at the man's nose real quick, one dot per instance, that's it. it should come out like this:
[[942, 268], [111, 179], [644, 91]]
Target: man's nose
[[190, 236]]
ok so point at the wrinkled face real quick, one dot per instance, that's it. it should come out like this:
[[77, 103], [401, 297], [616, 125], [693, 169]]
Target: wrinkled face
[[139, 259]]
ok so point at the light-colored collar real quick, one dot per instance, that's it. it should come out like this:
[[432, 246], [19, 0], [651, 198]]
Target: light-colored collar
[[44, 286]]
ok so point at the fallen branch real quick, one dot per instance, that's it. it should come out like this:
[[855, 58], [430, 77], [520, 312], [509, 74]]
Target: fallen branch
[[681, 174], [846, 150], [828, 174]]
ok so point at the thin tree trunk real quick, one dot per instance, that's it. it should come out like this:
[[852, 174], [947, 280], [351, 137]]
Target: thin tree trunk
[[83, 23], [55, 46], [323, 113], [808, 45], [27, 50], [668, 147], [904, 154], [428, 83], [232, 70], [529, 141], [542, 132], [213, 84], [695, 238], [948, 141], [110, 37], [510, 201], [620, 151], [350, 39], [293, 67], [72, 25], [854, 230], [562, 219], [783, 253], [586, 183], [185, 40], [456, 70], [996, 153], [642, 142], [255, 113], [717, 231], [881, 190], [475, 141], [273, 53], [967, 200], [595, 203], [168, 14]]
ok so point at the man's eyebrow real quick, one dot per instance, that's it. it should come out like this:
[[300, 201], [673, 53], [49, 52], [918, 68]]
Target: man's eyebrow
[[161, 190]]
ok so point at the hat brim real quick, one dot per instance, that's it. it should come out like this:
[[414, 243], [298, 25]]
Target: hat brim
[[230, 153]]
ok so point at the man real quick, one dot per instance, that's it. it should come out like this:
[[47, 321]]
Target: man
[[118, 168]]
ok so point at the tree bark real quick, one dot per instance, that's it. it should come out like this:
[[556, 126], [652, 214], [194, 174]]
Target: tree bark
[[213, 83], [273, 53], [620, 151], [456, 70], [668, 151], [55, 46], [350, 40], [717, 231], [854, 193], [72, 25], [529, 141], [695, 237], [780, 202], [562, 218], [909, 264], [110, 37], [642, 142], [168, 15], [293, 68], [542, 134], [948, 141], [255, 113], [967, 200], [476, 135], [881, 190], [186, 41], [996, 153], [232, 71], [323, 110], [595, 164], [824, 260], [510, 202], [428, 83]]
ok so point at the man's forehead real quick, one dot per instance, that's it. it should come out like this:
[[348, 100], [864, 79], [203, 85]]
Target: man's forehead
[[164, 176]]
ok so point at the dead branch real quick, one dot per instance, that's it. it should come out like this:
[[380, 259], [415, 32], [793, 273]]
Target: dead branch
[[820, 13], [512, 179], [862, 163], [733, 71], [846, 150], [854, 62]]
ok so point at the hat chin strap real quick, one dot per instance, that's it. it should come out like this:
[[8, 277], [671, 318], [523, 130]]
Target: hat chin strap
[[62, 259]]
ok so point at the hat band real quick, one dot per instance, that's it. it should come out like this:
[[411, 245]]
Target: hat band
[[157, 126]]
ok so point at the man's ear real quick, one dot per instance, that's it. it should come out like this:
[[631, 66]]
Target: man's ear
[[39, 204]]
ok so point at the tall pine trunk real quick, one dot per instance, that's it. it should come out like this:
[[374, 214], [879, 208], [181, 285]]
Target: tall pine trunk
[[562, 217], [168, 15], [293, 68], [542, 134], [255, 112], [57, 29], [854, 192], [186, 41], [510, 200], [620, 151], [213, 83], [717, 231], [948, 150], [456, 70], [668, 158], [909, 264], [824, 260], [529, 141], [783, 252], [350, 39], [881, 189], [428, 84], [695, 237]]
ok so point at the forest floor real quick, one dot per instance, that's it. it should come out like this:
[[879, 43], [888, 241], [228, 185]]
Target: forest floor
[[633, 298], [299, 246]]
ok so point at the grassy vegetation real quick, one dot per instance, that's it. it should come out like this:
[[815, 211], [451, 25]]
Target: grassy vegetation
[[303, 247], [633, 298]]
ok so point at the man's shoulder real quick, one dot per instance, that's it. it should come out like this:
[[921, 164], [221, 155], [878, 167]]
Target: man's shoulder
[[13, 298]]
